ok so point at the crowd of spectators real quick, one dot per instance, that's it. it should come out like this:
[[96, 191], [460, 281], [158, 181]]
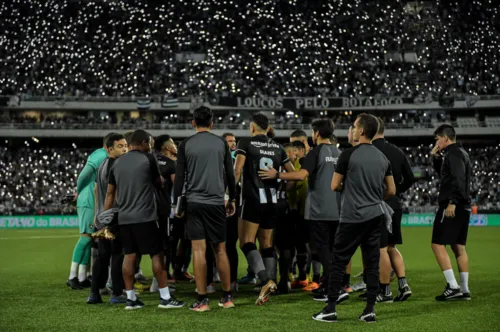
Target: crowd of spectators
[[258, 47], [34, 179]]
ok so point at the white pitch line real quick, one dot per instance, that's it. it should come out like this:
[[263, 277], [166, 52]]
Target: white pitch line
[[37, 237]]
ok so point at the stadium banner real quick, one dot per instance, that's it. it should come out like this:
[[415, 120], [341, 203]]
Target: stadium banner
[[38, 222], [422, 219]]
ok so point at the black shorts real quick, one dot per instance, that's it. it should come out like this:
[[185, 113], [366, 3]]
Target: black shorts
[[263, 214], [142, 238], [285, 225], [451, 230], [322, 233], [206, 222], [395, 237]]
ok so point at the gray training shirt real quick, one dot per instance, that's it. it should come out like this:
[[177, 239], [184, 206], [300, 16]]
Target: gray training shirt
[[135, 176], [364, 169], [321, 203], [203, 160], [101, 182]]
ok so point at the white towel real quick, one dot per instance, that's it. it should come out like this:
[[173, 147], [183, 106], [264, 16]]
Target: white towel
[[388, 212]]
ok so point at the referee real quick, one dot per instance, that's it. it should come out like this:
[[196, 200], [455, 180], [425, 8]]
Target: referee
[[364, 176], [451, 224]]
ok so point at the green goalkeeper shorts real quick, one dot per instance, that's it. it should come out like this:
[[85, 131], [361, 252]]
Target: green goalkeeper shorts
[[85, 220]]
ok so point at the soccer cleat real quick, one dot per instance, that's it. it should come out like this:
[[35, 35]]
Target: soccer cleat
[[139, 277], [85, 284], [171, 279], [465, 297], [348, 289], [134, 305], [234, 286], [141, 287], [94, 299], [320, 297], [200, 306], [326, 315], [226, 302], [312, 286], [291, 277], [118, 299], [359, 286], [248, 280], [384, 298], [449, 294], [403, 294], [74, 284], [171, 303], [267, 289], [368, 317], [182, 276], [299, 284]]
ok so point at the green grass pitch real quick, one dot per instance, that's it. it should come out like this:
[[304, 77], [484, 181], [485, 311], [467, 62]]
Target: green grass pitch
[[34, 266]]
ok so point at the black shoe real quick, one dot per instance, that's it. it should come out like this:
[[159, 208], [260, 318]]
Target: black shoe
[[133, 305], [343, 295], [368, 317], [171, 303], [449, 294], [94, 299], [326, 315], [74, 284], [86, 283], [384, 298], [465, 297], [319, 290], [320, 297], [403, 294]]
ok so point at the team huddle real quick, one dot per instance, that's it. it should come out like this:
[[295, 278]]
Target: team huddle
[[309, 209]]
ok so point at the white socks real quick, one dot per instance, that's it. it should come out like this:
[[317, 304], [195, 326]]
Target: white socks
[[131, 295], [464, 282], [165, 293], [73, 272], [450, 278], [82, 273]]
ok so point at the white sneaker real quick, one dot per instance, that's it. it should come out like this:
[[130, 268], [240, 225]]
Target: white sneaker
[[210, 289]]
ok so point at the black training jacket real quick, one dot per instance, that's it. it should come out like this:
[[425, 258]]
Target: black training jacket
[[455, 170]]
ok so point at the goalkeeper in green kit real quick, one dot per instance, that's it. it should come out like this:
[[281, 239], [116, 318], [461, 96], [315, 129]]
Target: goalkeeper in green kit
[[85, 206]]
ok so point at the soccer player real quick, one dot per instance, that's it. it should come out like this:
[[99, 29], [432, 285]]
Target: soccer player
[[85, 206], [132, 182], [451, 224], [364, 176], [389, 254], [166, 152], [116, 146], [258, 209], [322, 210], [232, 222], [200, 155]]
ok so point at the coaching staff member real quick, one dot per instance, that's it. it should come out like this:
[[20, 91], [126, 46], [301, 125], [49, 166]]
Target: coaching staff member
[[203, 160], [452, 219], [132, 181], [403, 179], [365, 175]]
